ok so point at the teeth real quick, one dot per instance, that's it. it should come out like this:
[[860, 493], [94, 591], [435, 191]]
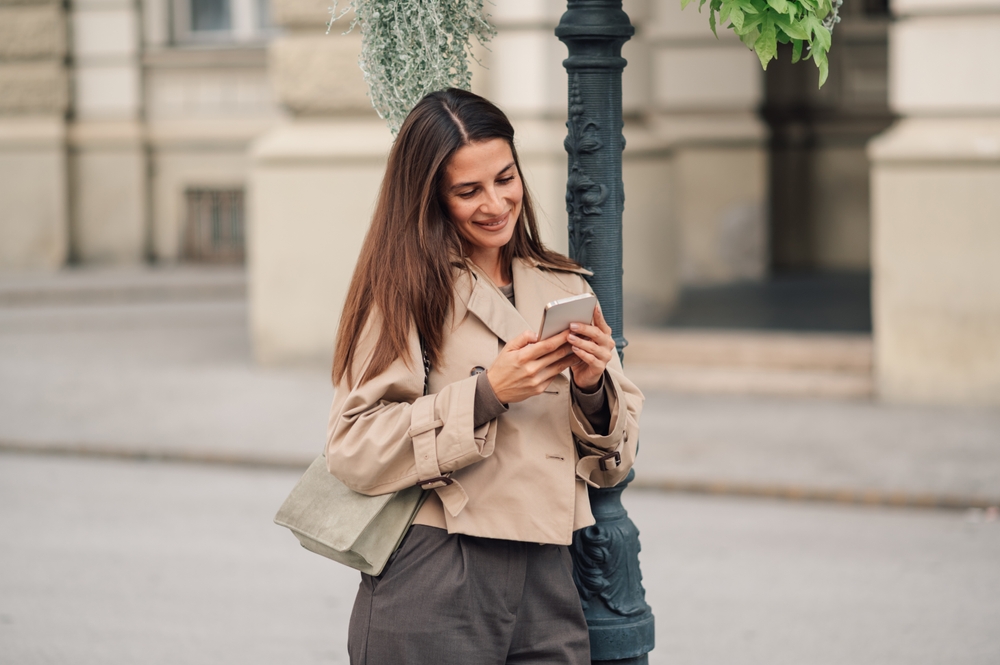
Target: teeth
[[488, 224]]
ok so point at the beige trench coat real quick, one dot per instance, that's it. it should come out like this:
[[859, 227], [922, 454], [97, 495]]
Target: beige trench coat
[[520, 476]]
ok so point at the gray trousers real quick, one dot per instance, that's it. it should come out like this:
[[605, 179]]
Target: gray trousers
[[455, 599]]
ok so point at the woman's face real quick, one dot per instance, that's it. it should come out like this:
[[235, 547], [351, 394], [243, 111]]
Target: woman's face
[[482, 195]]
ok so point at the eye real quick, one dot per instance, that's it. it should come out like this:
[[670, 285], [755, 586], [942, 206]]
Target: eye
[[505, 181], [467, 195]]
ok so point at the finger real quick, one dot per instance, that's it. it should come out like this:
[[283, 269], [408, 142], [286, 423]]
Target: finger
[[547, 345], [594, 334], [589, 358], [585, 330], [555, 356], [600, 351], [548, 373], [600, 320], [522, 340]]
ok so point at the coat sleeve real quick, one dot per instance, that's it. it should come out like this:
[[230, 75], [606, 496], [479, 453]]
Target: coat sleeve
[[599, 465], [385, 434]]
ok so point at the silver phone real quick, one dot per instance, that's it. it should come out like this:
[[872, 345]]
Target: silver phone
[[558, 314]]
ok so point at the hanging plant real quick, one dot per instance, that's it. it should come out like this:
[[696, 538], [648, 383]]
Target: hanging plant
[[412, 47], [763, 24]]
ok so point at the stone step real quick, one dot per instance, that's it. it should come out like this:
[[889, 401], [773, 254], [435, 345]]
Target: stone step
[[84, 286], [751, 363]]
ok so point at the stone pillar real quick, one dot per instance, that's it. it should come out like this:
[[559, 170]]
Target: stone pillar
[[936, 207], [34, 96], [705, 96], [108, 161], [313, 183], [525, 78]]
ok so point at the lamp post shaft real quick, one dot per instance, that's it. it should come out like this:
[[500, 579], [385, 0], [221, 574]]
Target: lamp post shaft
[[605, 555]]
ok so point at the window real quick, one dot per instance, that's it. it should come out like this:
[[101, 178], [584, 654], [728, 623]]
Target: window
[[213, 232], [210, 15], [232, 21]]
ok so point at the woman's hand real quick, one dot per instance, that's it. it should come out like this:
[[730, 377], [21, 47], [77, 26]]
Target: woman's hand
[[525, 368], [593, 346]]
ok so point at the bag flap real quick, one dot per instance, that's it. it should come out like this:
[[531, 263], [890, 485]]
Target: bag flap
[[322, 508]]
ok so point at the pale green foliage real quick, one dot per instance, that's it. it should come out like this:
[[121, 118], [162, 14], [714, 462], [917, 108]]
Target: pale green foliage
[[763, 24], [412, 47]]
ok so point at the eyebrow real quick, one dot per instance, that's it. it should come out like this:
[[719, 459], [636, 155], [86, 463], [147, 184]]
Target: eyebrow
[[469, 184]]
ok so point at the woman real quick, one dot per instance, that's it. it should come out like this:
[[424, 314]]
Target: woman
[[511, 430]]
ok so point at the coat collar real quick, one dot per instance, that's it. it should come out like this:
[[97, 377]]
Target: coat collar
[[491, 306]]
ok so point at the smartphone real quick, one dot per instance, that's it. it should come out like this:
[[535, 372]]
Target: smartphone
[[558, 314]]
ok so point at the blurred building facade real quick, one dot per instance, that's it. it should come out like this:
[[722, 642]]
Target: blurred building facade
[[124, 127], [170, 130]]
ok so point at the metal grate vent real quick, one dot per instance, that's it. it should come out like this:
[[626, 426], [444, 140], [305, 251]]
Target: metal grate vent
[[214, 229]]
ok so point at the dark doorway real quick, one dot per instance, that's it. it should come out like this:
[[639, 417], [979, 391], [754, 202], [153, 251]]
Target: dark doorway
[[820, 272]]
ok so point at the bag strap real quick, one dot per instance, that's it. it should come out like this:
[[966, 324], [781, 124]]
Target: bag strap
[[427, 366]]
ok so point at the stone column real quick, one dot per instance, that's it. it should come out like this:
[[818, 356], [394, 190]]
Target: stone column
[[936, 207], [34, 95], [313, 182], [705, 97], [108, 161]]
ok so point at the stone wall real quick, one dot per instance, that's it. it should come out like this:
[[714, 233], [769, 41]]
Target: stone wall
[[34, 96], [936, 205], [313, 181]]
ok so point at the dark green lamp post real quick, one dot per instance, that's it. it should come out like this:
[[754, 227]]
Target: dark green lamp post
[[606, 564]]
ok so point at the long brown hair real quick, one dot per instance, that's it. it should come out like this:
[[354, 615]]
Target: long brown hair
[[405, 270]]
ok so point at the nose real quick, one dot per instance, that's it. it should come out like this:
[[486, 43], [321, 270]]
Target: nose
[[493, 203]]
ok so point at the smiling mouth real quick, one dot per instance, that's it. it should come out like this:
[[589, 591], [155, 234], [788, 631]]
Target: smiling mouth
[[495, 223]]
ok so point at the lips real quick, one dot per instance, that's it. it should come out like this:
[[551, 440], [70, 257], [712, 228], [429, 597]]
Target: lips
[[493, 224]]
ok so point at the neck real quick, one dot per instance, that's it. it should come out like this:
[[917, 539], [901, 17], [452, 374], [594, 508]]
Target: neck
[[489, 262]]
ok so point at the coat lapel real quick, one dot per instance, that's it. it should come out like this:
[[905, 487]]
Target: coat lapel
[[532, 291], [493, 308], [529, 294]]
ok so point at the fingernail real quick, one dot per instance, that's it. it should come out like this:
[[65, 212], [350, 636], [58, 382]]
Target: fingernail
[[574, 326], [574, 338]]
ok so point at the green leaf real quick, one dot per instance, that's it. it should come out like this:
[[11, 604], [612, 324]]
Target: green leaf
[[747, 7], [736, 18], [780, 6], [750, 36], [685, 3], [711, 22], [824, 69], [791, 27], [823, 37], [796, 50], [766, 45], [727, 6]]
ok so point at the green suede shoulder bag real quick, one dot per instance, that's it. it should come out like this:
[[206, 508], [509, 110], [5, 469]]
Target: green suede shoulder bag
[[355, 529]]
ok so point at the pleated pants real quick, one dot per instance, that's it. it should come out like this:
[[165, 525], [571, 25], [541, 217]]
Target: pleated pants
[[461, 600]]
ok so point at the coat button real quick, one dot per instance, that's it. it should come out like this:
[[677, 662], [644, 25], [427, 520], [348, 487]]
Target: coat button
[[477, 370]]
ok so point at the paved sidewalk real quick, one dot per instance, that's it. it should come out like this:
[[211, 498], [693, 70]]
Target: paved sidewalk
[[92, 363], [113, 562]]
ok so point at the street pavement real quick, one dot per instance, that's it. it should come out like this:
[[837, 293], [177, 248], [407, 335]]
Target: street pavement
[[121, 562], [161, 366], [109, 556]]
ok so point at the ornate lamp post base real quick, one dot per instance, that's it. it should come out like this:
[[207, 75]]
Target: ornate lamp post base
[[606, 571]]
